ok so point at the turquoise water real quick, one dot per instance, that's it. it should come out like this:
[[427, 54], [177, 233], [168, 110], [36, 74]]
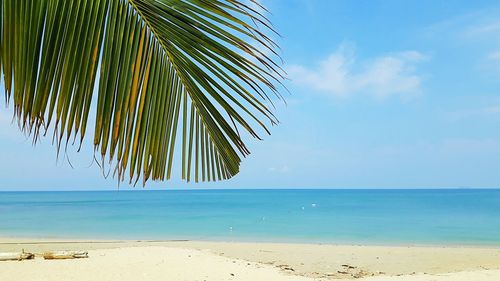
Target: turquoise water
[[457, 217]]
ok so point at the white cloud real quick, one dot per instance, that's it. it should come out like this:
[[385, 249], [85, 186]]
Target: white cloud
[[341, 74]]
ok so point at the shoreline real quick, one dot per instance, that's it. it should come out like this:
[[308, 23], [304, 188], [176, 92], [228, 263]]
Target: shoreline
[[310, 261], [4, 240]]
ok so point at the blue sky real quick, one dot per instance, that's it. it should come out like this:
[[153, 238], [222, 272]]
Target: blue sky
[[385, 94]]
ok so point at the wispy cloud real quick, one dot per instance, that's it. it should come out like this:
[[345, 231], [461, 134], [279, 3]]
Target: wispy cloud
[[483, 28], [477, 31], [485, 32], [489, 111], [474, 23], [341, 74]]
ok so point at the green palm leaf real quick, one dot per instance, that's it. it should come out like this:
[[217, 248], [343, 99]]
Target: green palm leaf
[[170, 75]]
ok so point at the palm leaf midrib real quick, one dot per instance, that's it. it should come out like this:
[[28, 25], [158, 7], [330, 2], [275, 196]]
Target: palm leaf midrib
[[164, 66]]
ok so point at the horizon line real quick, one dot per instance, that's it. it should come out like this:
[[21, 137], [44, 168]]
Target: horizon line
[[248, 188]]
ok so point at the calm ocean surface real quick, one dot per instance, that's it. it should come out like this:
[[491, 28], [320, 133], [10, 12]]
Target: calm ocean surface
[[455, 217]]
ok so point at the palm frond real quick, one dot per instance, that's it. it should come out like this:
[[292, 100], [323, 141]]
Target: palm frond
[[170, 75]]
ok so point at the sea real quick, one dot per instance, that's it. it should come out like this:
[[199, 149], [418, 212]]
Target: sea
[[459, 217]]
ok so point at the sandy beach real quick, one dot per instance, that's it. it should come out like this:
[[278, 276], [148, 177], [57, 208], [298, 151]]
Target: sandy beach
[[216, 261]]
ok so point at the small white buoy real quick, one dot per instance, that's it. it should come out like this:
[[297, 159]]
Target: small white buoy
[[313, 205]]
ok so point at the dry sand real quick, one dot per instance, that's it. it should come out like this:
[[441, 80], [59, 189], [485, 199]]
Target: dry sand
[[218, 261]]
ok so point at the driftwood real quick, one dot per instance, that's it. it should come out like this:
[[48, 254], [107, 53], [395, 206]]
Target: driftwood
[[16, 256], [64, 255]]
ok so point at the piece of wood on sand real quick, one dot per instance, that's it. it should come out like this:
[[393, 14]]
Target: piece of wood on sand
[[16, 256], [65, 255]]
